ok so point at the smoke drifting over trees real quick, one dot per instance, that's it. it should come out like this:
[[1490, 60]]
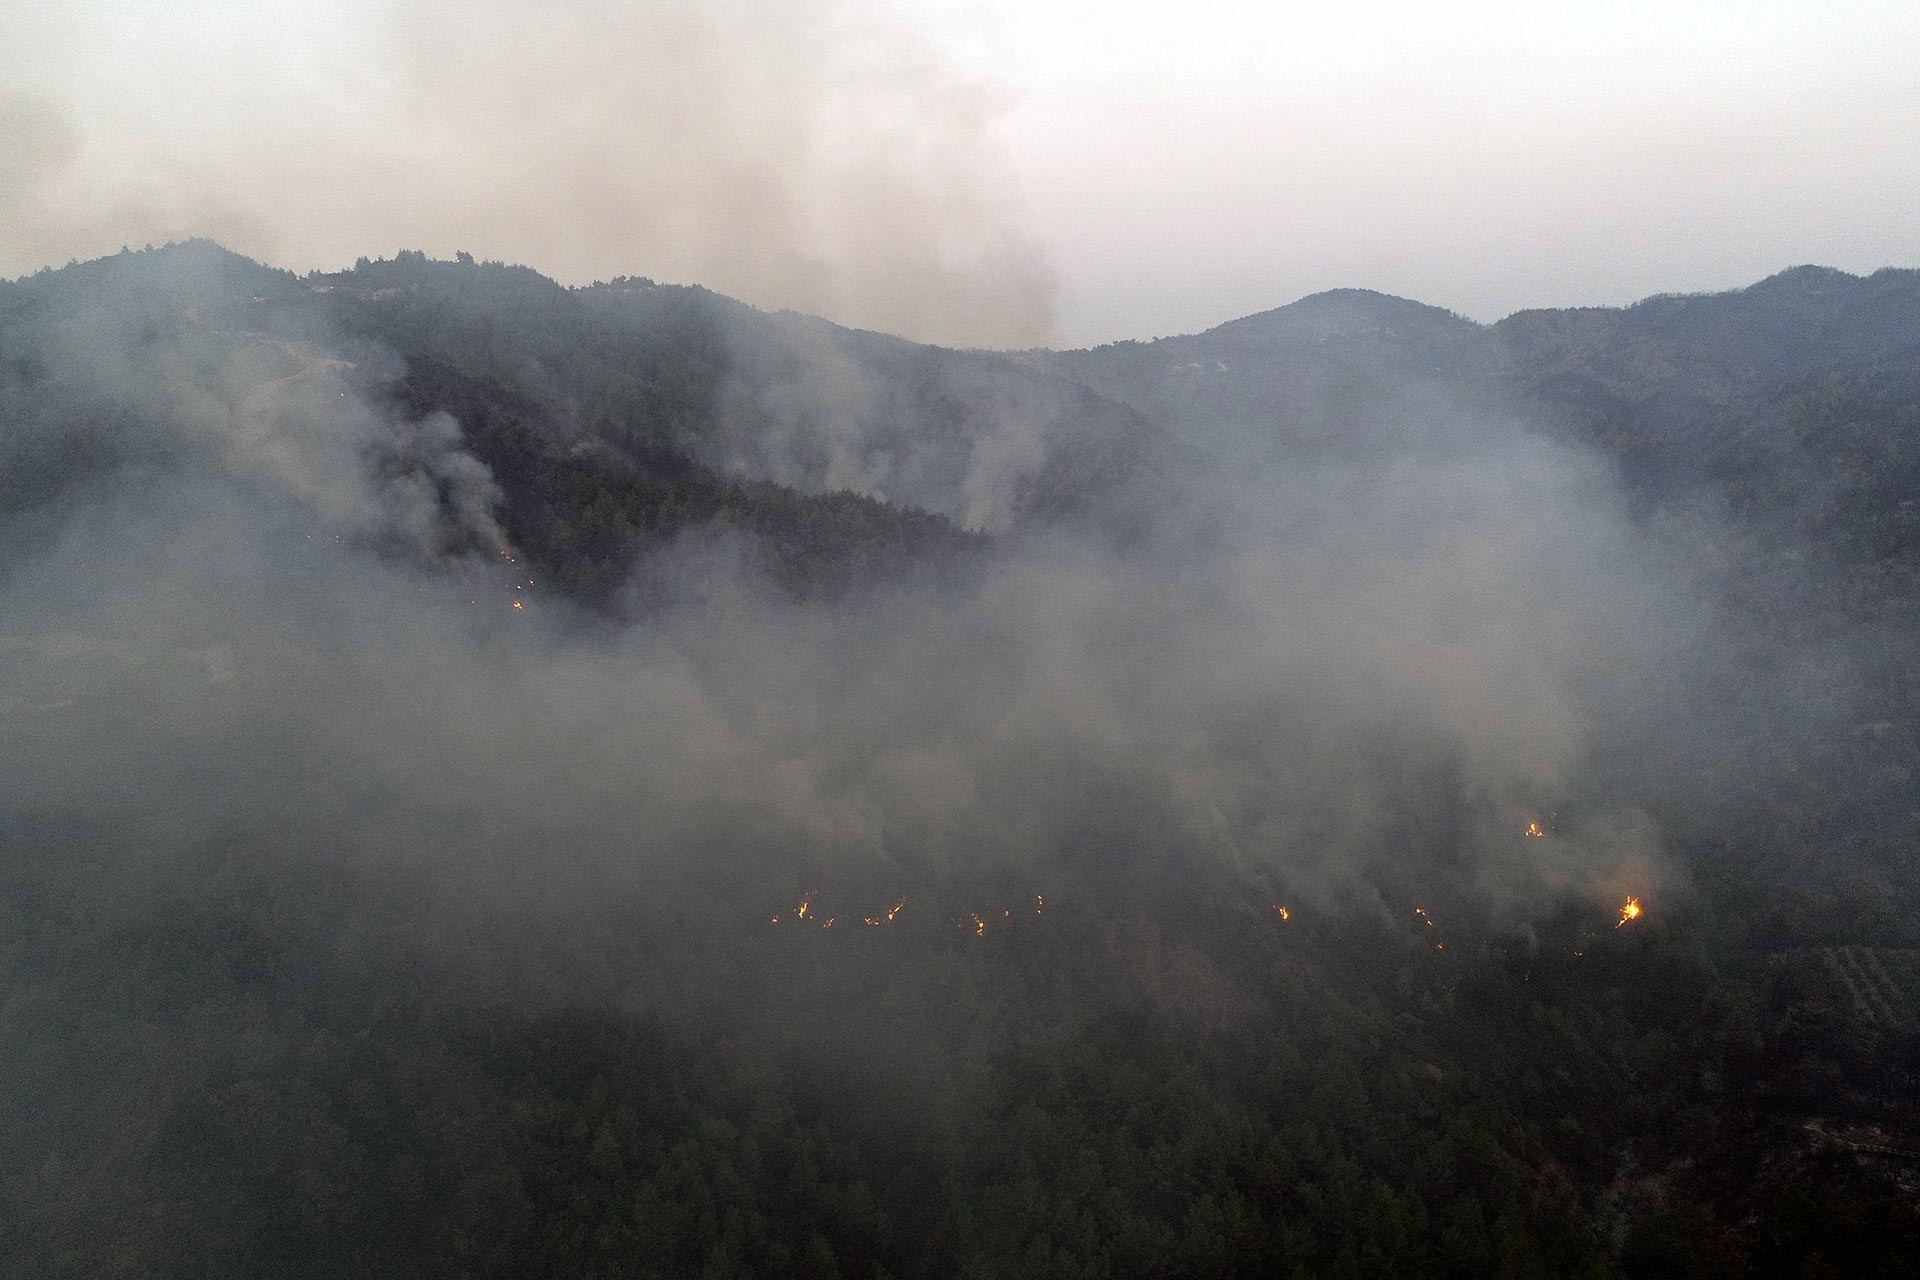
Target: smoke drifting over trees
[[1271, 682], [427, 641]]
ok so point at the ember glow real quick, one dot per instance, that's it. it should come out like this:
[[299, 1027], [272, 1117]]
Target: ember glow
[[1282, 912], [1629, 910], [1533, 831]]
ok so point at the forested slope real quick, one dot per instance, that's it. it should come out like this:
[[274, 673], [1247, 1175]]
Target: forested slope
[[502, 779]]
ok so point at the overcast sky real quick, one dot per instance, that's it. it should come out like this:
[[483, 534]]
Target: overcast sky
[[995, 171]]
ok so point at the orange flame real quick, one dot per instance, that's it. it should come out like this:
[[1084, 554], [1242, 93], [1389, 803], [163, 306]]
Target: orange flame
[[1533, 831], [979, 925], [1629, 910], [1283, 912], [894, 910]]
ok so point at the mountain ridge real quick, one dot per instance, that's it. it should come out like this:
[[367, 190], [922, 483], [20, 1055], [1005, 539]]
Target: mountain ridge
[[1802, 280]]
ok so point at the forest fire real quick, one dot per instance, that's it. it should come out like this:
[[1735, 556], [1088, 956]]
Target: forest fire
[[1422, 913], [808, 910], [1629, 910], [1282, 912], [1533, 832]]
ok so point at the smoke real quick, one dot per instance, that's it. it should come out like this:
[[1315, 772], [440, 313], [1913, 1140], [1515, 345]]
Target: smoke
[[819, 409], [813, 154], [291, 626]]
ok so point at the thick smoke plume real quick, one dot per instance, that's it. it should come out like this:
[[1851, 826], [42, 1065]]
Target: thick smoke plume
[[287, 617]]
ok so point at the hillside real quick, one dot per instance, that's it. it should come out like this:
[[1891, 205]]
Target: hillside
[[981, 440], [1776, 422], [506, 779], [589, 482]]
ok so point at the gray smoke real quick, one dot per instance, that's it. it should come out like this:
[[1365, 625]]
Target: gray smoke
[[296, 628]]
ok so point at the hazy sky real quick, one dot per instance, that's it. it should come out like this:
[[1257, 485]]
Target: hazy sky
[[993, 171]]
